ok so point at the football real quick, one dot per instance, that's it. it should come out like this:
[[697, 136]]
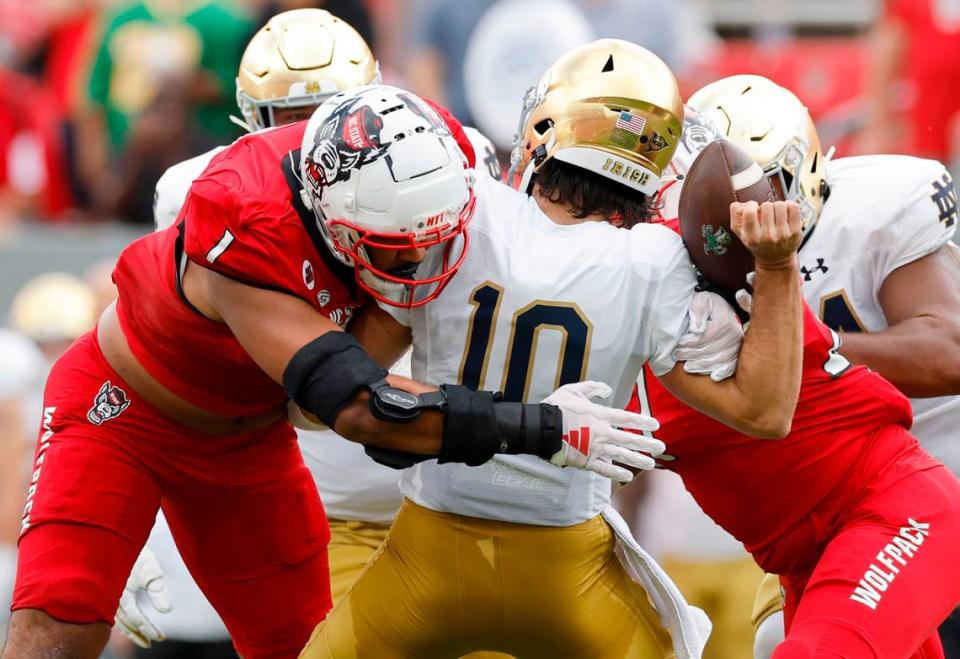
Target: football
[[721, 174]]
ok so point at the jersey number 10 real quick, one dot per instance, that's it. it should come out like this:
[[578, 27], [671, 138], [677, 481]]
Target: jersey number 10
[[527, 323]]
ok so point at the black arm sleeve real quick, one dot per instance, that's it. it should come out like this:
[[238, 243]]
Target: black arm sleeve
[[327, 373]]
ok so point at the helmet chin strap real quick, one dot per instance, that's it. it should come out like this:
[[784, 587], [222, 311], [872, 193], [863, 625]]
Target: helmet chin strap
[[240, 122], [393, 290], [406, 271]]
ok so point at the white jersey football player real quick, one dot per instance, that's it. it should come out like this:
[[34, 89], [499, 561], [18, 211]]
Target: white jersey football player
[[549, 293], [877, 262]]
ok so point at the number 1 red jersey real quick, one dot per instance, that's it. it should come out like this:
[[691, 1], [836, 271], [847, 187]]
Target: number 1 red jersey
[[772, 494], [243, 218]]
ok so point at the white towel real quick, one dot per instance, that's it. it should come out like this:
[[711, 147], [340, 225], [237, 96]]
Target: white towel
[[689, 626]]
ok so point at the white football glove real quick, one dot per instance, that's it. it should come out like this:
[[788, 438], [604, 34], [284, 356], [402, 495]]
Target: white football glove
[[131, 620], [711, 345], [743, 296], [592, 438]]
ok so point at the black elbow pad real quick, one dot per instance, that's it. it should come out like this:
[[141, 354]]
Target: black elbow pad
[[326, 374]]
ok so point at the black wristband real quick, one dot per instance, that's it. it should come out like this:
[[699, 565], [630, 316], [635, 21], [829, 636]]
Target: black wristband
[[477, 426], [470, 433], [534, 429]]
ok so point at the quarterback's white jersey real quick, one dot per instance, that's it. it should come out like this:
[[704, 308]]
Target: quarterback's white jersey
[[883, 212], [534, 305]]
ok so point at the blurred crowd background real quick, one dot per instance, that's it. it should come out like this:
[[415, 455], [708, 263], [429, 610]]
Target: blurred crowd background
[[99, 97]]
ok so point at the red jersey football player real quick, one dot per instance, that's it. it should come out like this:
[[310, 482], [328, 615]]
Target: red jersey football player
[[176, 398], [860, 522]]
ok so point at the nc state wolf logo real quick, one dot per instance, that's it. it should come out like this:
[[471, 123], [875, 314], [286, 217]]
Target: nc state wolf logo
[[110, 403], [349, 140]]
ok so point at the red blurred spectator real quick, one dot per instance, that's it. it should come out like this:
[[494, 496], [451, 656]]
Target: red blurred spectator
[[33, 173], [918, 42]]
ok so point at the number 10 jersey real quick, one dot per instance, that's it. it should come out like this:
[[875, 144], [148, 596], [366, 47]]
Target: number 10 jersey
[[536, 305]]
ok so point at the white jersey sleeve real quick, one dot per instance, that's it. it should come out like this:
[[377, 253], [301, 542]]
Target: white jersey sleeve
[[927, 216], [883, 212], [173, 186], [669, 310], [485, 152]]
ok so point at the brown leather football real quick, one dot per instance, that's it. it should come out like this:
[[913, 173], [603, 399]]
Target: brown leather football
[[721, 174]]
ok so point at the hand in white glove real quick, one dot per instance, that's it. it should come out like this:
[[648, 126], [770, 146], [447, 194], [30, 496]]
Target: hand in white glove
[[711, 346], [743, 296], [131, 620], [592, 438]]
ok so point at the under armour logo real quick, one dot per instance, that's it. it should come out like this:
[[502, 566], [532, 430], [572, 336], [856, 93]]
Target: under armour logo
[[808, 272], [945, 197]]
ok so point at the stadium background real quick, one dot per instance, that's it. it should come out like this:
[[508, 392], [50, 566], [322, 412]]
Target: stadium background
[[98, 97]]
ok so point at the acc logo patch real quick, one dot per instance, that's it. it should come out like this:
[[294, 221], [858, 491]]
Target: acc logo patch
[[110, 403], [323, 297], [714, 242], [308, 277]]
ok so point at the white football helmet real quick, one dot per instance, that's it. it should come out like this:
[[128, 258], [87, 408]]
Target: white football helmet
[[382, 171]]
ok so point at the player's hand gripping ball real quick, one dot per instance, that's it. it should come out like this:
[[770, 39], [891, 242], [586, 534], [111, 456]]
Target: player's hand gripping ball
[[721, 175]]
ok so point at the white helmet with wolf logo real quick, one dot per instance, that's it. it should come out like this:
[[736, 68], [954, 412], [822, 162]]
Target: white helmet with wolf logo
[[381, 170]]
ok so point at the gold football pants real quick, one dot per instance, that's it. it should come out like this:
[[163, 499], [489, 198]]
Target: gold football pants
[[725, 591], [352, 545], [445, 585], [769, 599]]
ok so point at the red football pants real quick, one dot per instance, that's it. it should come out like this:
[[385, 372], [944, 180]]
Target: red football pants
[[885, 581], [243, 510]]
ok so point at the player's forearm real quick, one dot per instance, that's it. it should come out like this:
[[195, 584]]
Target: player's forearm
[[767, 381], [422, 436], [920, 356]]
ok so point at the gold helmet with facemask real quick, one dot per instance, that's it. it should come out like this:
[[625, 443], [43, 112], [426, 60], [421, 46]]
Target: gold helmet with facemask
[[299, 59], [610, 107], [772, 125]]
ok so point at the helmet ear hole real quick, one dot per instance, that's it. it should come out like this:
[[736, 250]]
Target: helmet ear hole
[[541, 127], [608, 66]]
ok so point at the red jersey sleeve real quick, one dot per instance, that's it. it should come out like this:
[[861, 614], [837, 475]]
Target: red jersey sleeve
[[234, 237]]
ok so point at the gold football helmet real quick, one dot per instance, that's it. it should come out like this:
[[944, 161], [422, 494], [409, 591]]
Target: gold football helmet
[[775, 128], [610, 107], [55, 306], [298, 59]]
